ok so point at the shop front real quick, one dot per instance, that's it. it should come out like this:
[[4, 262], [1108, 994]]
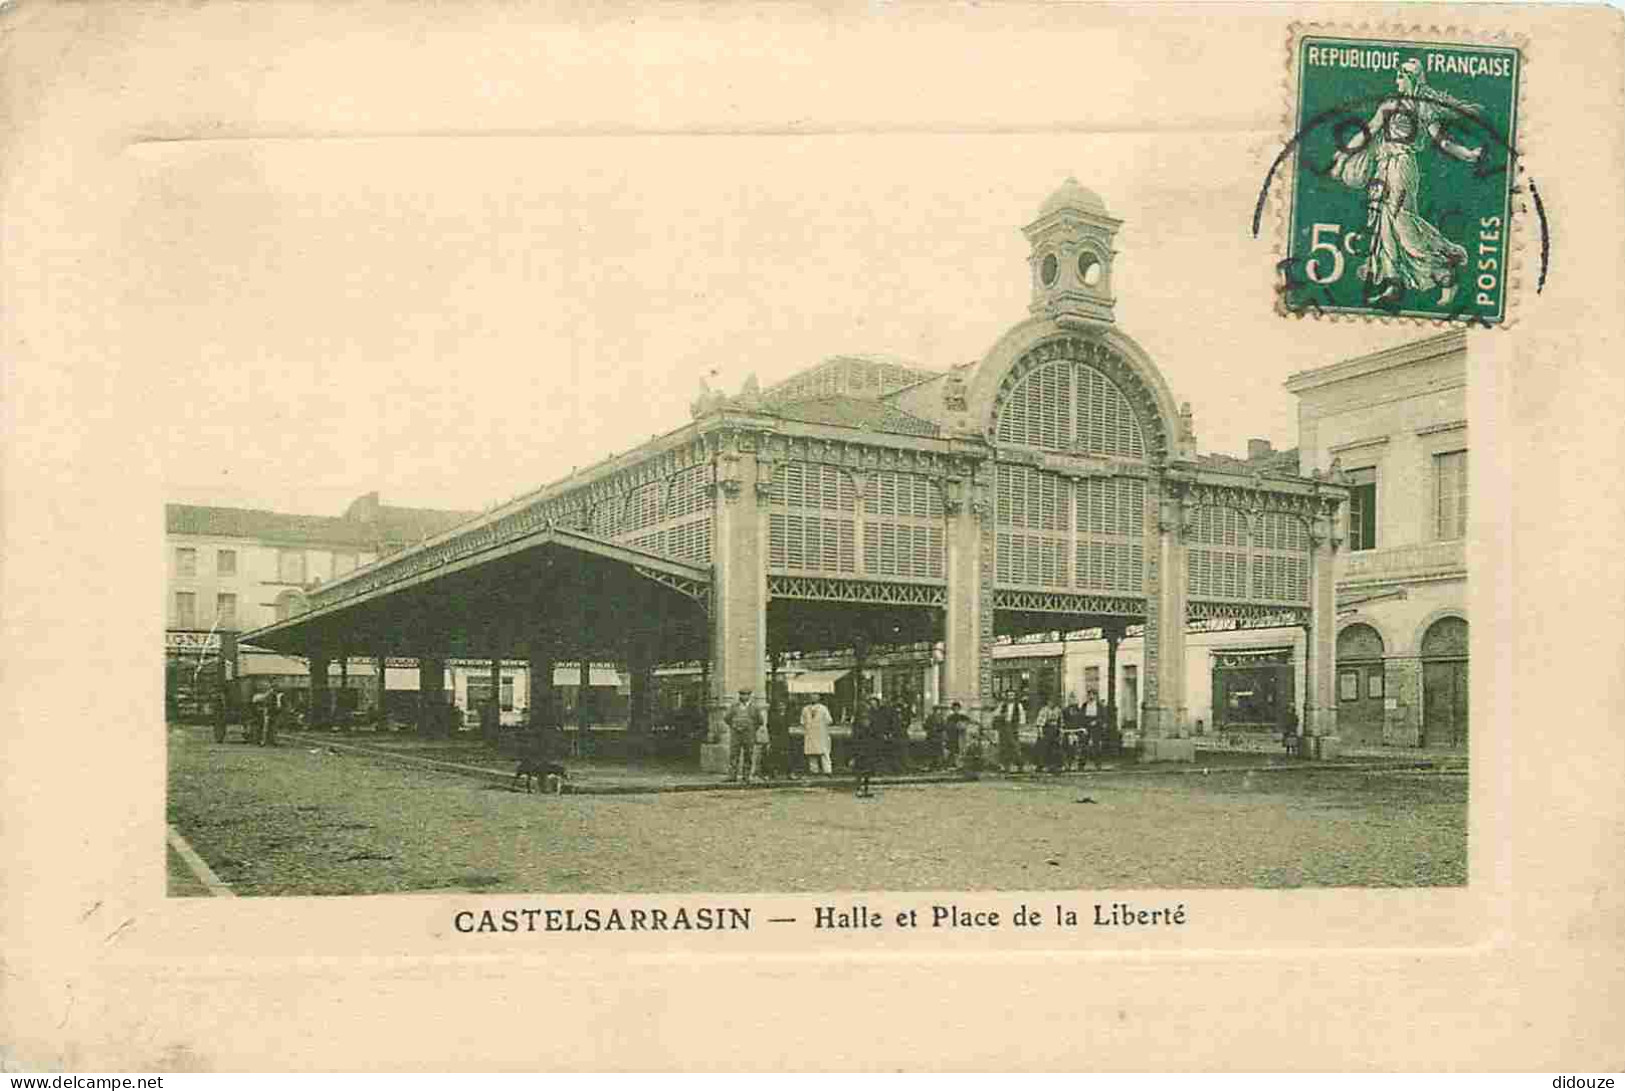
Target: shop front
[[1253, 690]]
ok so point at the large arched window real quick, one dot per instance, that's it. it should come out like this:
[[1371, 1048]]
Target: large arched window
[[1069, 406]]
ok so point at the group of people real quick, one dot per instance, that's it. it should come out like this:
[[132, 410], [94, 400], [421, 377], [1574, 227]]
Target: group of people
[[760, 737], [1068, 737]]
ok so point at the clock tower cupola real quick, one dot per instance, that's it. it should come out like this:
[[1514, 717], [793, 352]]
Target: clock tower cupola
[[1072, 256]]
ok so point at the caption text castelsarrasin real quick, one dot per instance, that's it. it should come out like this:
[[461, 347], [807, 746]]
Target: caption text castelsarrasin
[[856, 916]]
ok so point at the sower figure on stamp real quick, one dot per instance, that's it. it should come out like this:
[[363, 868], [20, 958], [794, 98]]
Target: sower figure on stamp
[[1406, 251]]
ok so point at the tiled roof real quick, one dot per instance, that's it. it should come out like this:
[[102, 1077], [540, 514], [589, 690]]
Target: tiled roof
[[388, 526], [1274, 464], [266, 525], [846, 411]]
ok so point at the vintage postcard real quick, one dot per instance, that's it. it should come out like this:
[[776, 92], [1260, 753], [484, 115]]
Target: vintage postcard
[[709, 530]]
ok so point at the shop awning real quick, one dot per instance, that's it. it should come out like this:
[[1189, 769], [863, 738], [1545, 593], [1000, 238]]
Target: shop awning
[[596, 676], [815, 681]]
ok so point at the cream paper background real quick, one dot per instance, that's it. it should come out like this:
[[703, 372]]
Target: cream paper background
[[1522, 969]]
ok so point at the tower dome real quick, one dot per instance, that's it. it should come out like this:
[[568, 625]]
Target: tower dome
[[1072, 255], [1071, 195]]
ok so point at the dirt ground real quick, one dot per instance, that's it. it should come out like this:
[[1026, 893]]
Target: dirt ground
[[300, 820]]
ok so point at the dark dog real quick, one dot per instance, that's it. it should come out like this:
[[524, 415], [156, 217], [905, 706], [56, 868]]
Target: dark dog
[[549, 774]]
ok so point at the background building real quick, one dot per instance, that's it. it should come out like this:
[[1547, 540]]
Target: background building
[[235, 569]]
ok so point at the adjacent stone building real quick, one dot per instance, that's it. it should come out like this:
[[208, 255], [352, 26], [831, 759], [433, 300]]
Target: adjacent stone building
[[1393, 425]]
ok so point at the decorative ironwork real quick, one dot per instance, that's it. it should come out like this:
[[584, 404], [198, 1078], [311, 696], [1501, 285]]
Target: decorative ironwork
[[1247, 615], [1068, 602], [826, 589], [1258, 495], [698, 590]]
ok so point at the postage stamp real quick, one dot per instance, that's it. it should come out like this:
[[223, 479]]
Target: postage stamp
[[1403, 166]]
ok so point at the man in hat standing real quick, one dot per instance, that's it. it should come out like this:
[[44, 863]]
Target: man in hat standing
[[815, 725], [744, 755]]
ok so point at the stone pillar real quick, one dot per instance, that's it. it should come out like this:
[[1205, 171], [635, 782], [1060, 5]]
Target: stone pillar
[[583, 699], [640, 663], [344, 691], [490, 730], [381, 688], [431, 695], [539, 672], [738, 584], [1320, 714], [227, 703], [320, 695], [1163, 736], [1114, 637], [963, 647]]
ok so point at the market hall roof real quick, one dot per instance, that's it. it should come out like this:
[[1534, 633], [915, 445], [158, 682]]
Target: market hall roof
[[846, 411]]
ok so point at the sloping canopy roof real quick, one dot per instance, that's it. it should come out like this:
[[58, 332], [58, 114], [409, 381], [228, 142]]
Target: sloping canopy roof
[[552, 588]]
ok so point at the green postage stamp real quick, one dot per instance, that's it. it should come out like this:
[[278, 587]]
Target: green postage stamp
[[1403, 166]]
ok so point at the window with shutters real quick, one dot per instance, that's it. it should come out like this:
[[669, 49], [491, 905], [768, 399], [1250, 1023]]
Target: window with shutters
[[1450, 495], [812, 519], [1110, 521], [642, 509], [1069, 406], [903, 532], [671, 517], [1231, 559], [1030, 545]]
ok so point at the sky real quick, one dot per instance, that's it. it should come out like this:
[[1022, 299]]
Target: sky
[[454, 321], [517, 269]]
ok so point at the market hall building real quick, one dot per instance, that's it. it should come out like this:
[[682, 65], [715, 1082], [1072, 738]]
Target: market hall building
[[864, 505]]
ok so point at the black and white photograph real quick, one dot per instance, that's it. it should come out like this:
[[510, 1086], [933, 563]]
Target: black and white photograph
[[875, 601], [526, 519]]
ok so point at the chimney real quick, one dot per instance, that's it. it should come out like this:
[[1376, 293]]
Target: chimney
[[1258, 448]]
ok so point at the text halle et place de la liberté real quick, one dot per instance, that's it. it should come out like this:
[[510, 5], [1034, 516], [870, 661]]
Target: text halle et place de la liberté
[[856, 916], [1106, 915]]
